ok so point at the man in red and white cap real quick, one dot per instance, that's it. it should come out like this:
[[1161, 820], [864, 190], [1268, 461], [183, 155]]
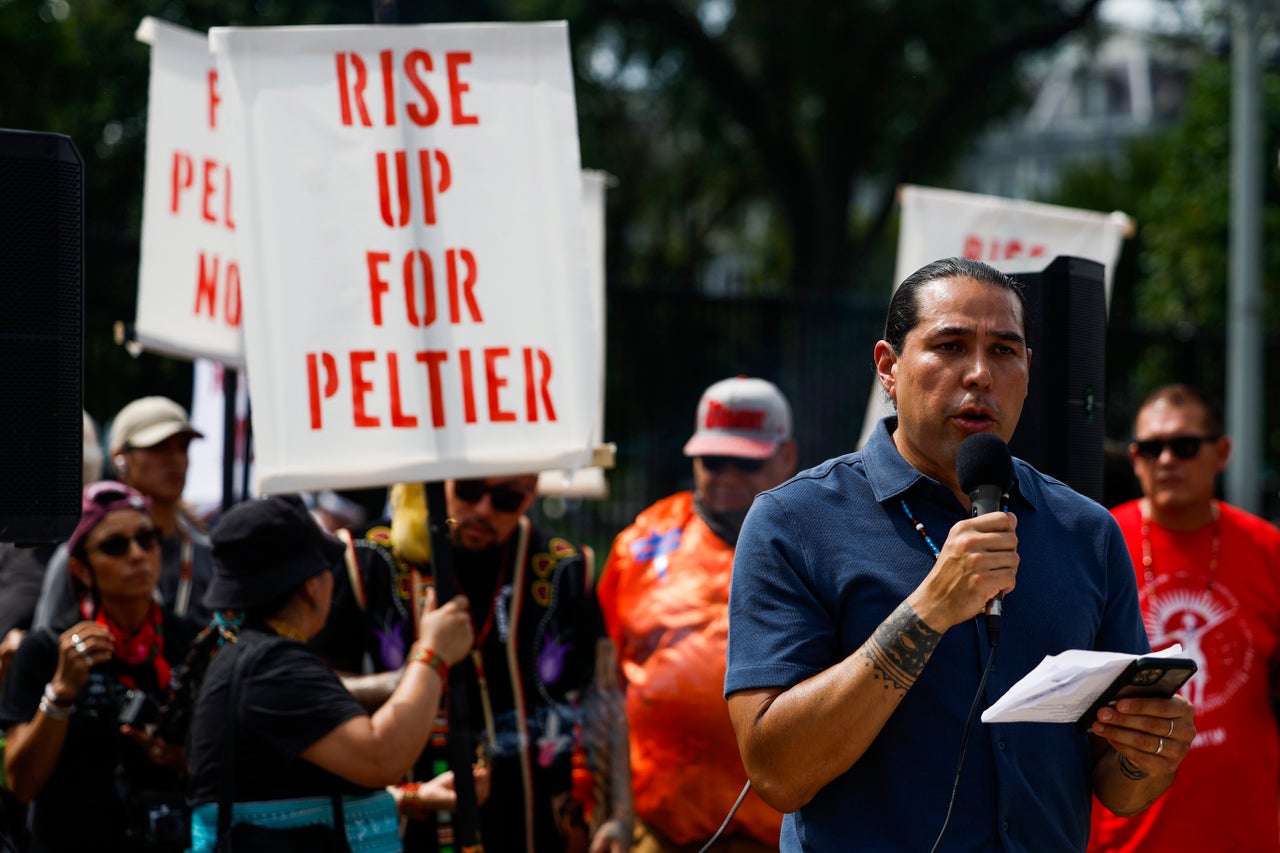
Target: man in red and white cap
[[664, 593]]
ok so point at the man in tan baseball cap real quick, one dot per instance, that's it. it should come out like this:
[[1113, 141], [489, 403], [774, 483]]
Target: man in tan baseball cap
[[148, 421], [148, 450]]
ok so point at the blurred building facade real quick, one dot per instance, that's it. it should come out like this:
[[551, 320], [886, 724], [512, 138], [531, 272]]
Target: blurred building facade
[[1091, 98]]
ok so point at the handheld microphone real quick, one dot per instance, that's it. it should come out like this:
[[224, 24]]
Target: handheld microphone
[[984, 469]]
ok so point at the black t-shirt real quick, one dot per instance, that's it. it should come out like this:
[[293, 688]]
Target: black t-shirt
[[289, 700], [83, 804]]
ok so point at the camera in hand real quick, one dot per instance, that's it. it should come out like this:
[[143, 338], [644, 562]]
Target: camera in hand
[[157, 819], [137, 709]]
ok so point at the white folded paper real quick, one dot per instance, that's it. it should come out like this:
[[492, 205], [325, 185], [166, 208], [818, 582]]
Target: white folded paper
[[1063, 686]]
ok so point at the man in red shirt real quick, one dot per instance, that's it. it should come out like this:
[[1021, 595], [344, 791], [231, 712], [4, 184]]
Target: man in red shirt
[[1208, 578], [664, 594]]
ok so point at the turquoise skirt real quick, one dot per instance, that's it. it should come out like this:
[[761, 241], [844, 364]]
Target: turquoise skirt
[[373, 826]]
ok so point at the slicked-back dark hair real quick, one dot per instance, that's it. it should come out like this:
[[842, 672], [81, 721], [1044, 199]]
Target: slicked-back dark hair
[[904, 309], [1180, 395]]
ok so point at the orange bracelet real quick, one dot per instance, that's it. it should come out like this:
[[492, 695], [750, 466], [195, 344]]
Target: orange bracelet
[[433, 660], [409, 803]]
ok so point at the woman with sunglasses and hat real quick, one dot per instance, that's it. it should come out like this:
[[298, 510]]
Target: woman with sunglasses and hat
[[277, 743], [76, 704]]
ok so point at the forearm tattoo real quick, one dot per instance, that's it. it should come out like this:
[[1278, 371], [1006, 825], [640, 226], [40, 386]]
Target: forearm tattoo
[[899, 649], [1131, 770]]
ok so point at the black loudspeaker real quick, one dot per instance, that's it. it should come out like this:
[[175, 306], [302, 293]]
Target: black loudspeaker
[[1062, 428], [41, 336]]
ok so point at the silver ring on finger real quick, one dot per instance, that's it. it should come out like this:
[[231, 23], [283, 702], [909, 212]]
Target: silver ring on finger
[[82, 649], [1160, 748], [75, 640], [1170, 732]]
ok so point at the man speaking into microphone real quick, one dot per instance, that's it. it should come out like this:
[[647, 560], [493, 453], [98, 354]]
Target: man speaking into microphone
[[855, 660]]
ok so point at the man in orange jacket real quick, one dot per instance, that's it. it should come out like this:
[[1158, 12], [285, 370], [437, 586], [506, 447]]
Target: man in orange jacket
[[664, 594]]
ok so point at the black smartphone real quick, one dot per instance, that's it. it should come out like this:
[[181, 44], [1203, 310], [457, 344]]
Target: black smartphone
[[1146, 676]]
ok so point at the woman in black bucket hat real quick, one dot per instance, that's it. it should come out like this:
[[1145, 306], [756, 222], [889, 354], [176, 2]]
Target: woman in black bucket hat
[[273, 729]]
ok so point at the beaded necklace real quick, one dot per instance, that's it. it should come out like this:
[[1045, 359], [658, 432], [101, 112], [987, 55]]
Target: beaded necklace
[[919, 526], [1148, 570], [924, 534]]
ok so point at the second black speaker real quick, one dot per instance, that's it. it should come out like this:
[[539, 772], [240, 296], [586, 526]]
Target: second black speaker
[[41, 335], [1063, 427]]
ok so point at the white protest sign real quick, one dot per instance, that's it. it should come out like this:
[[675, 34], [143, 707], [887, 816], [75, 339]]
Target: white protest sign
[[412, 221], [208, 404], [188, 275], [1010, 235]]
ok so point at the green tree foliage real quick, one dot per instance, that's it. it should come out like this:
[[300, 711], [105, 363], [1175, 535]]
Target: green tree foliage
[[787, 125], [1169, 307], [74, 67], [77, 70], [773, 132]]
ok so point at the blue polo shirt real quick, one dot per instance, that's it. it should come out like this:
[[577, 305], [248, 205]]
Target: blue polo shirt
[[824, 558]]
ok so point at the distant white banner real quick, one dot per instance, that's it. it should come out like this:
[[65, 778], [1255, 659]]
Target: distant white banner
[[412, 221], [208, 414], [1010, 235], [188, 276]]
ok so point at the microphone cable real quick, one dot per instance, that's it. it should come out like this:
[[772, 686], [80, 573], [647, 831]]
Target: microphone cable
[[955, 788], [964, 743], [727, 818]]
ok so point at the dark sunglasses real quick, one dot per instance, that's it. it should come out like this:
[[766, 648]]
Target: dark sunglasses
[[117, 544], [1183, 446], [504, 498], [716, 464]]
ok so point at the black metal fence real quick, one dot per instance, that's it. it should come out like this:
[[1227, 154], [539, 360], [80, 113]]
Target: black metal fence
[[664, 347]]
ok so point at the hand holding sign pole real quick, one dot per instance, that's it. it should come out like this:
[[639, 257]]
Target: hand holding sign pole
[[466, 816]]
